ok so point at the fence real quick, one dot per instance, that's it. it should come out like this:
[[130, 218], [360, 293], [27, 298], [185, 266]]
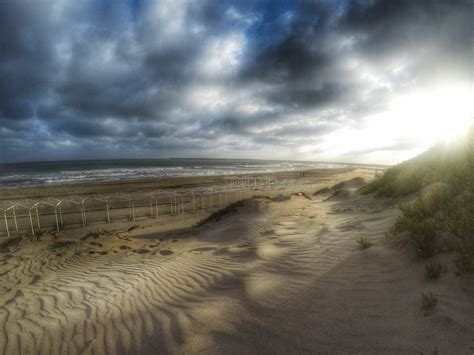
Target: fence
[[30, 216]]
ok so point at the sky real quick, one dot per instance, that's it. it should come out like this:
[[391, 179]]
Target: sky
[[362, 81]]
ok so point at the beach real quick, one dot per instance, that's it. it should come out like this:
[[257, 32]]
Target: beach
[[279, 273], [236, 177]]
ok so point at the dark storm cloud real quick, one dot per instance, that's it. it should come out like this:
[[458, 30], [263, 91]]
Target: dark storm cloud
[[90, 78], [416, 28], [297, 64], [26, 58]]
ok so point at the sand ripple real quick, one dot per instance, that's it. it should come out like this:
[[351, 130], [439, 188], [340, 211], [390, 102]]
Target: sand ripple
[[67, 300]]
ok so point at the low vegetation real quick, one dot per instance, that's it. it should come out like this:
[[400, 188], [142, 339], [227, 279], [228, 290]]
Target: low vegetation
[[364, 243], [399, 180], [442, 215], [419, 218], [430, 167], [434, 270], [428, 301], [216, 216]]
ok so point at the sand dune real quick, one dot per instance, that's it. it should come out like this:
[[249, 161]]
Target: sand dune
[[276, 276]]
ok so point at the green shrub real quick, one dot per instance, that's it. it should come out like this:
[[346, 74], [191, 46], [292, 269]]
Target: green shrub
[[372, 186], [428, 301], [433, 270], [364, 243], [416, 219]]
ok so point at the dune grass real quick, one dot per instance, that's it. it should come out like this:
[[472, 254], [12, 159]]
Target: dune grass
[[364, 243], [443, 178], [429, 167], [399, 180], [421, 218], [434, 270]]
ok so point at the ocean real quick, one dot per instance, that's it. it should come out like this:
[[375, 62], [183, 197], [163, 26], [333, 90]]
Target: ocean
[[65, 172]]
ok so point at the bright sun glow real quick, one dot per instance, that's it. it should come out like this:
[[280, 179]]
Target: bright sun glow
[[411, 124], [441, 114]]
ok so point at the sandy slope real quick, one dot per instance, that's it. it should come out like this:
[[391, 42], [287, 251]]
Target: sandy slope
[[274, 277]]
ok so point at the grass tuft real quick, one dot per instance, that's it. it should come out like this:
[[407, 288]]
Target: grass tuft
[[364, 243], [418, 218], [428, 301], [433, 269]]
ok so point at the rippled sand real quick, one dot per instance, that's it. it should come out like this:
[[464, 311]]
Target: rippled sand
[[274, 277]]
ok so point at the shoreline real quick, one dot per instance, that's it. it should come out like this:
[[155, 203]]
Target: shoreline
[[165, 183], [86, 206]]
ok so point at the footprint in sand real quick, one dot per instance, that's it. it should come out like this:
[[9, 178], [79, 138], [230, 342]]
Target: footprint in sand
[[141, 251], [35, 279], [166, 252]]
